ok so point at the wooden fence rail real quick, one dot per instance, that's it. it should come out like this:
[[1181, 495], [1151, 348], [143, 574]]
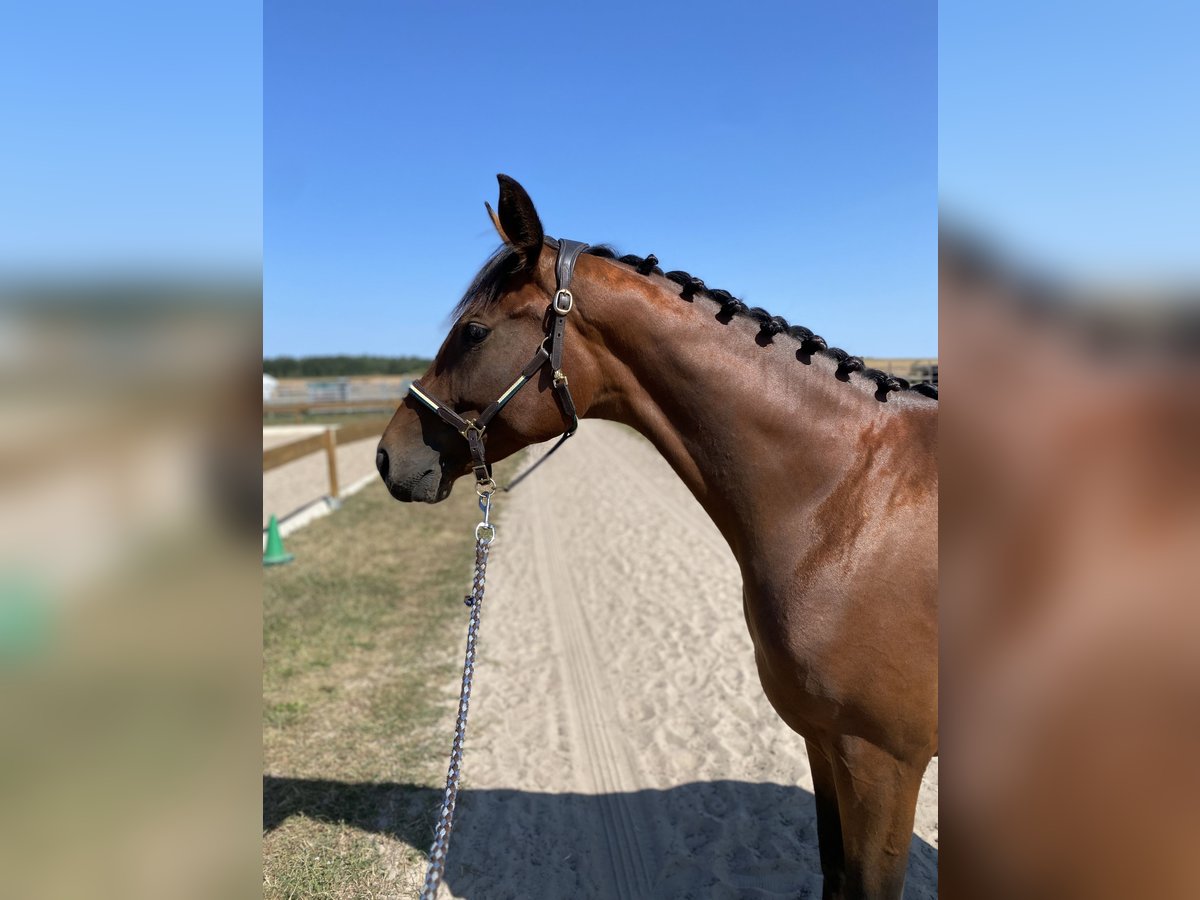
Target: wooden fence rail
[[286, 453], [327, 442]]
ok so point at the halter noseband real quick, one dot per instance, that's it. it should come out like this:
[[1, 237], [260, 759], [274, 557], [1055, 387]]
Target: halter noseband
[[473, 429]]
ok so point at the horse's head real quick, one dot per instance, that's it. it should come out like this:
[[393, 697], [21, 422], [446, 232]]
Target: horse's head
[[499, 325]]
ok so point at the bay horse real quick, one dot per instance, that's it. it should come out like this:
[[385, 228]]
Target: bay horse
[[821, 474]]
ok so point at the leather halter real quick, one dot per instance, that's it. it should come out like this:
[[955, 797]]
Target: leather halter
[[473, 429]]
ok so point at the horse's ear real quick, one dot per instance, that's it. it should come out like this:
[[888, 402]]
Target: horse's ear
[[518, 222], [496, 222]]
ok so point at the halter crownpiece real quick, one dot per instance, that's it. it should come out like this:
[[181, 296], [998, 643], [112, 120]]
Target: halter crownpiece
[[473, 429]]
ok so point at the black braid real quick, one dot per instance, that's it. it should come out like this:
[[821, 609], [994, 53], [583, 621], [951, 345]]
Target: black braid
[[691, 286], [815, 344], [730, 305], [647, 265], [775, 325], [848, 365], [770, 326], [759, 315]]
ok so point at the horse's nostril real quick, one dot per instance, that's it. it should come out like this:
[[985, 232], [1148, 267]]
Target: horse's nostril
[[381, 462]]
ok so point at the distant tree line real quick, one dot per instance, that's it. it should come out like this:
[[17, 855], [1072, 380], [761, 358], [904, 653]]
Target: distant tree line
[[332, 366]]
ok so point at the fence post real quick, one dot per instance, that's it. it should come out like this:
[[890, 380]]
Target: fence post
[[331, 459]]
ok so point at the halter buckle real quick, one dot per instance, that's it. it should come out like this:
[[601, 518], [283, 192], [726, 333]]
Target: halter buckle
[[560, 378], [558, 307]]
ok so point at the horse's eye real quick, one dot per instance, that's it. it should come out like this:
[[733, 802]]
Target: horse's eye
[[475, 333]]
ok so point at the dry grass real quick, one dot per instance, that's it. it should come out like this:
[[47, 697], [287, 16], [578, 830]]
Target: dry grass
[[362, 640]]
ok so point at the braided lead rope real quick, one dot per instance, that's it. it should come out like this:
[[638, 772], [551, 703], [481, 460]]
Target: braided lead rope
[[485, 533]]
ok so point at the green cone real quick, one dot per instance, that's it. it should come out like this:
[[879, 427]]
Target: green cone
[[275, 554]]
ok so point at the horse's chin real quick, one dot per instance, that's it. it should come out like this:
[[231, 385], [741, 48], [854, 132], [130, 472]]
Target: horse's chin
[[430, 486]]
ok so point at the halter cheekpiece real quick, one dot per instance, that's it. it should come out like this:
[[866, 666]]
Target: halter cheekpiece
[[473, 429]]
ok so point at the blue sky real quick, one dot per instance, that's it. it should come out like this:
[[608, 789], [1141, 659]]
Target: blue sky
[[1070, 132], [786, 153], [131, 137], [790, 154]]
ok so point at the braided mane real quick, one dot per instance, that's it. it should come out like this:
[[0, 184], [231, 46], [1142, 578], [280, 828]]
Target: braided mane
[[768, 325]]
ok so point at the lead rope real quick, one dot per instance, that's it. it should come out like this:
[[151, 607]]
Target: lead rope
[[485, 533]]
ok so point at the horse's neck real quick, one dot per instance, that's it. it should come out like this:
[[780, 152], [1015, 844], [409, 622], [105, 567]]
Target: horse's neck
[[739, 422]]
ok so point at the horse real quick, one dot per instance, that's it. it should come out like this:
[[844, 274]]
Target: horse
[[819, 472]]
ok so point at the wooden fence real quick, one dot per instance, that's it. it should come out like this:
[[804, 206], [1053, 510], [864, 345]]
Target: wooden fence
[[326, 442]]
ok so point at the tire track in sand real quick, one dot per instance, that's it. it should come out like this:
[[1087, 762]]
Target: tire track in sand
[[611, 768]]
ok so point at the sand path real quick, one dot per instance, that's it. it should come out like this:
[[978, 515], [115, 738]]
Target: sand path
[[620, 744]]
